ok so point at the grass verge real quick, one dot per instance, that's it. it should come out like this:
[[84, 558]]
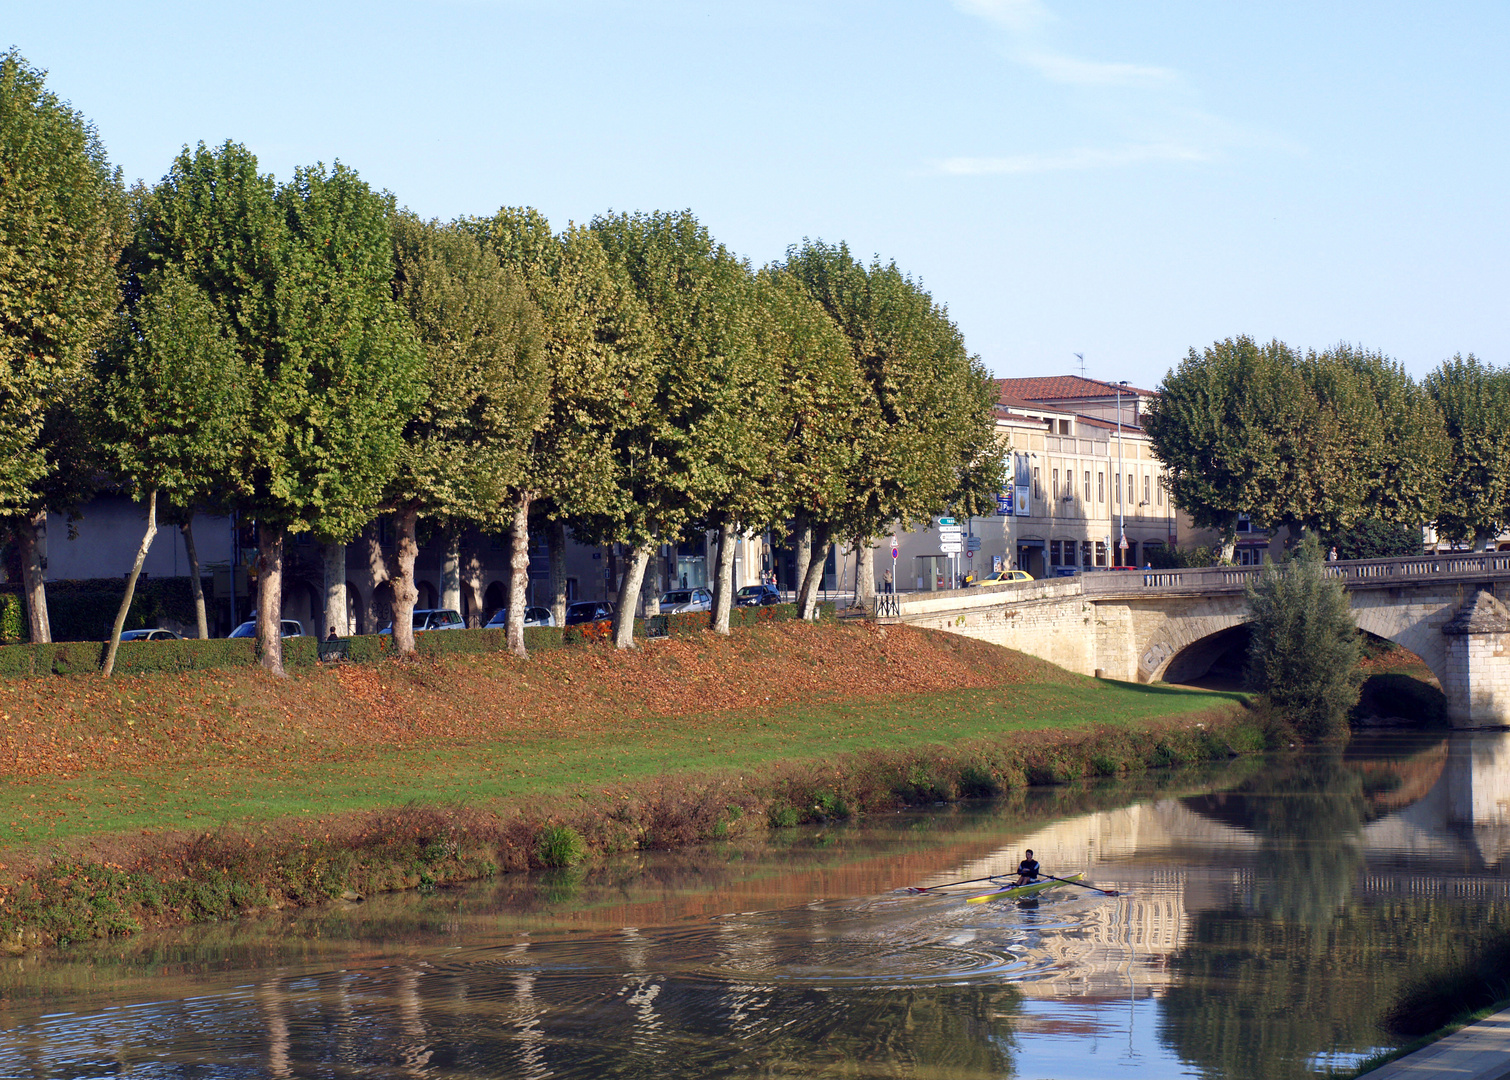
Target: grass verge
[[216, 794]]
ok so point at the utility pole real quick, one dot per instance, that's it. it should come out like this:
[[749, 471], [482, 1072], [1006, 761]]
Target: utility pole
[[1122, 476]]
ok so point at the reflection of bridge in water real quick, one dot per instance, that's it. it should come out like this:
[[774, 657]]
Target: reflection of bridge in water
[[1455, 826]]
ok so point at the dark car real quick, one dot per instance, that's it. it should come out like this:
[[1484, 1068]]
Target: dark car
[[757, 596], [533, 616], [587, 611]]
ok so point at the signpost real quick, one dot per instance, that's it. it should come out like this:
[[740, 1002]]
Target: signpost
[[951, 542]]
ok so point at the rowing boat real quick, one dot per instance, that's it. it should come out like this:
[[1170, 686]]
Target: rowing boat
[[1022, 892]]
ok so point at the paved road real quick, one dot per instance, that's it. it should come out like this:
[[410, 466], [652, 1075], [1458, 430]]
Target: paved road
[[1479, 1052]]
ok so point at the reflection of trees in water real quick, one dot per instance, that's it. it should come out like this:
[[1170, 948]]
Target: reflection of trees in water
[[1308, 813], [1257, 997]]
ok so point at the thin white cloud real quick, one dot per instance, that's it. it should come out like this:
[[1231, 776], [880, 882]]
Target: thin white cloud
[[1017, 15], [1072, 71], [1070, 160]]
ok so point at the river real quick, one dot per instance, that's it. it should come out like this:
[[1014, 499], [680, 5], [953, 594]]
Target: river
[[1272, 911]]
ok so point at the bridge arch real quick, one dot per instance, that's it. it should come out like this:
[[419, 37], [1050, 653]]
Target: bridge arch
[[1184, 644]]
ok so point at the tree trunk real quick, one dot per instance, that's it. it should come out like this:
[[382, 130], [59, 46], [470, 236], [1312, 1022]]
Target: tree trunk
[[629, 591], [270, 597], [471, 579], [1229, 541], [333, 558], [450, 570], [196, 584], [519, 576], [31, 533], [802, 544], [136, 569], [723, 593], [1483, 540], [656, 566], [556, 537], [404, 592], [865, 576], [807, 599]]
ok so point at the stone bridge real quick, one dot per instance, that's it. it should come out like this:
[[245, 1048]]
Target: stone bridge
[[1172, 625]]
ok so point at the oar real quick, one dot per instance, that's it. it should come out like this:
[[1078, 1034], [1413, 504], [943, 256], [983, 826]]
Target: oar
[[945, 885], [1083, 885]]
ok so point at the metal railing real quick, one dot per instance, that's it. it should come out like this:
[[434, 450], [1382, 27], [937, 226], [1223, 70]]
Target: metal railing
[[1357, 574]]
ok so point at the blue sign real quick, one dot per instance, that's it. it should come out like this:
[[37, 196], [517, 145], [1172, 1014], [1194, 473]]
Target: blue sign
[[1004, 503]]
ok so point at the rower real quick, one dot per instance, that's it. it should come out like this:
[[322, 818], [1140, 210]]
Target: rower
[[1027, 870]]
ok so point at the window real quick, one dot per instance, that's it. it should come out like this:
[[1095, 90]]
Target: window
[[1117, 488], [1064, 427], [1087, 485], [1055, 488], [1159, 494], [1145, 489], [1132, 492], [1037, 494], [1054, 553], [1100, 552], [1085, 552], [1100, 487]]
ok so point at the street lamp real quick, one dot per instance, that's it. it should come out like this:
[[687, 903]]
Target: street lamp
[[1122, 503]]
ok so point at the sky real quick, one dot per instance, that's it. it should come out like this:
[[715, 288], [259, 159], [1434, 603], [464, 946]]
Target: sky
[[1124, 181]]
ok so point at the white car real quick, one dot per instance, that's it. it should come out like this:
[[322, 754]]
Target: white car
[[533, 616], [680, 601], [291, 628]]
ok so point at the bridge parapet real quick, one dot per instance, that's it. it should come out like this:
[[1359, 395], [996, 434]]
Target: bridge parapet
[[1483, 566]]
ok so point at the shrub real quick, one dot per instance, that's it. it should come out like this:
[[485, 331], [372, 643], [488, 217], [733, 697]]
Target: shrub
[[559, 846], [1303, 653], [453, 642], [12, 617], [85, 610]]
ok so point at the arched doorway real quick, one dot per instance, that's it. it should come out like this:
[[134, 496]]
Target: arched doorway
[[355, 624], [428, 597], [493, 599]]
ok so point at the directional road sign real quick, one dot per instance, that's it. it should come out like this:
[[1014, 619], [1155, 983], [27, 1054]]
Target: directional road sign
[[972, 543], [946, 521]]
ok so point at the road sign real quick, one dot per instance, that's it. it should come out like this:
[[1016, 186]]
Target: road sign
[[950, 549], [946, 521], [951, 530], [970, 554], [972, 543], [893, 551]]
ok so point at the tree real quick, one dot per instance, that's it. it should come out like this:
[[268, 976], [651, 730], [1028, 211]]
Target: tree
[[595, 332], [173, 404], [467, 444], [682, 448], [1211, 425], [1474, 399], [300, 275], [62, 225], [1303, 652], [924, 436]]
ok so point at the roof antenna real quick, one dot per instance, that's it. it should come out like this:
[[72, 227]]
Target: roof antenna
[[1081, 357]]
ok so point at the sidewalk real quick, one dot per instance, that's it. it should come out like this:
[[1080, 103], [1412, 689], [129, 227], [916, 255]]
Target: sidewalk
[[1479, 1052]]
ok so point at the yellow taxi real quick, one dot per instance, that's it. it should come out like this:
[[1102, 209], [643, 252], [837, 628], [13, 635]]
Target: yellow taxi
[[1006, 575]]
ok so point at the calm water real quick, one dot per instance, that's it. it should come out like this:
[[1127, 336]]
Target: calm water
[[1272, 912]]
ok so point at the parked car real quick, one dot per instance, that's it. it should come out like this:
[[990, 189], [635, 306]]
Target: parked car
[[150, 635], [291, 628], [757, 596], [432, 619], [680, 601], [1006, 575], [533, 616], [587, 611]]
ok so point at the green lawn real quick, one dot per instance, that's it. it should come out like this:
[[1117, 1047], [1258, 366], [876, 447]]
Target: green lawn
[[222, 791]]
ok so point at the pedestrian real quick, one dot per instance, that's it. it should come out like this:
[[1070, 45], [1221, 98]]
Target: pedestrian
[[890, 586], [332, 635], [1331, 556]]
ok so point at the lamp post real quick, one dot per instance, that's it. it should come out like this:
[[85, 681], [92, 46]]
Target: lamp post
[[1122, 475]]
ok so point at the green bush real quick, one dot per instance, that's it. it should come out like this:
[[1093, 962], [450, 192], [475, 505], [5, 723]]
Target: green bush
[[13, 627], [560, 846], [452, 642], [141, 657], [1303, 652]]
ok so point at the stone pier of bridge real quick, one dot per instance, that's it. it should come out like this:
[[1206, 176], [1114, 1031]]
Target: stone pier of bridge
[[1171, 625]]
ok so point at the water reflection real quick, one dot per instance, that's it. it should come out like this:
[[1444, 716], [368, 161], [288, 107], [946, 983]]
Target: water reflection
[[1272, 912]]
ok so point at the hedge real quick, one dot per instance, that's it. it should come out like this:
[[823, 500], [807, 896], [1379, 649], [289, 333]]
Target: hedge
[[85, 610], [191, 654]]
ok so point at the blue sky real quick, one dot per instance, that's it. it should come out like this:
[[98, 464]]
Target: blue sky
[[1122, 180]]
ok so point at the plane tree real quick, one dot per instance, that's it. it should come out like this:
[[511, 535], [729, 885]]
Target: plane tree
[[467, 444], [63, 223], [595, 334], [300, 276], [1474, 400]]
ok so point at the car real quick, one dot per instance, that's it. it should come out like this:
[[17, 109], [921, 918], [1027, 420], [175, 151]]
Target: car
[[291, 628], [150, 635], [1006, 575], [533, 616], [757, 596], [433, 619], [680, 601], [587, 611]]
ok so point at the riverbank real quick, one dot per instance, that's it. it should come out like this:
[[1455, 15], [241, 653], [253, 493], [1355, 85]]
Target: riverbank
[[200, 795]]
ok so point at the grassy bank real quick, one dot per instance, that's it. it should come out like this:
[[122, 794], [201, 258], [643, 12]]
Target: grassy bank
[[208, 794]]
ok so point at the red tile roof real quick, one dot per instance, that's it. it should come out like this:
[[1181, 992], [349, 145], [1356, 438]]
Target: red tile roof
[[1062, 388]]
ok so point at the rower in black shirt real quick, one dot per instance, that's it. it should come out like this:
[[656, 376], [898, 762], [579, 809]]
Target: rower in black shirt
[[1027, 870]]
